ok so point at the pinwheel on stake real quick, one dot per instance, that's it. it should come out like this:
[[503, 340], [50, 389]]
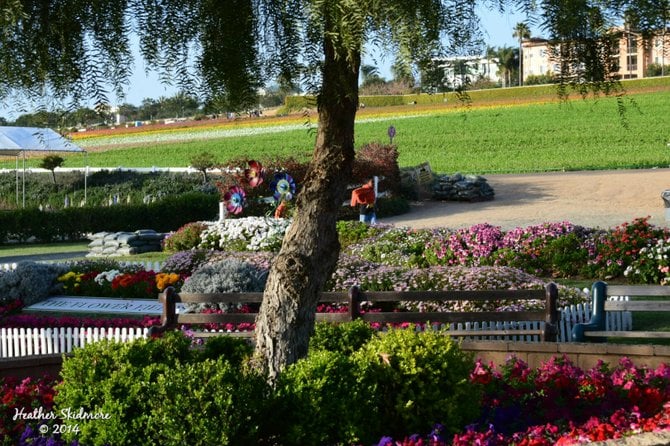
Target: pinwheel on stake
[[254, 174], [282, 187], [235, 199]]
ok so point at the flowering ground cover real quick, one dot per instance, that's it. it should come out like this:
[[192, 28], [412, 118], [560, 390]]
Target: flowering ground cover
[[23, 396], [554, 404], [560, 404], [385, 258]]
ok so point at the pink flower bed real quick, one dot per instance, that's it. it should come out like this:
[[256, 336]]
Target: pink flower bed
[[560, 404]]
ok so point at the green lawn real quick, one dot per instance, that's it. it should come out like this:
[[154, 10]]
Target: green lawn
[[531, 138], [29, 249], [41, 248]]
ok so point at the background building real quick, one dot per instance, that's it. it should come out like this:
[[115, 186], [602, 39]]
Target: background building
[[634, 58], [461, 70]]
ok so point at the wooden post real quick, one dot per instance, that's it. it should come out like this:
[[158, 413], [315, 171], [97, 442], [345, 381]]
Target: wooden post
[[551, 310], [169, 316], [354, 303]]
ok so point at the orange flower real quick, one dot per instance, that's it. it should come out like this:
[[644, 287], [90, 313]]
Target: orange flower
[[164, 280]]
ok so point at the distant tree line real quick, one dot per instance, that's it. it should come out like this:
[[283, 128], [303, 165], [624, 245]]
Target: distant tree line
[[181, 105]]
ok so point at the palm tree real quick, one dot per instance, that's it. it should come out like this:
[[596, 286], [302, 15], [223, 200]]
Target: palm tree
[[521, 31], [51, 162], [370, 75], [506, 58]]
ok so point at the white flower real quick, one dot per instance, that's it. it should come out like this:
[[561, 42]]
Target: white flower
[[106, 276], [256, 233]]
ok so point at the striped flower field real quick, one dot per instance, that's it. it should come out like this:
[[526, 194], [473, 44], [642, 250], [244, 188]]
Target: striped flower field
[[494, 135]]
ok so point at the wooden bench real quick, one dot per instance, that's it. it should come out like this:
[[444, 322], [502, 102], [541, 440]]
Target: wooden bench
[[545, 328], [594, 330]]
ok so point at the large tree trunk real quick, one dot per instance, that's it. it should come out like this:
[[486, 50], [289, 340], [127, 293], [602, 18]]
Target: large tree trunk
[[311, 247]]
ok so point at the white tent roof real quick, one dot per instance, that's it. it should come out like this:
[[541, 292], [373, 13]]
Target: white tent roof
[[14, 140]]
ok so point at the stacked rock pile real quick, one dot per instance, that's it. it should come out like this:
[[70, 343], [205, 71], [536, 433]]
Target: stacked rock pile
[[458, 187], [111, 244]]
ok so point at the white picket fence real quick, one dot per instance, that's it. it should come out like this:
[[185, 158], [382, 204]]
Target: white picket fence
[[18, 342], [148, 266], [569, 316]]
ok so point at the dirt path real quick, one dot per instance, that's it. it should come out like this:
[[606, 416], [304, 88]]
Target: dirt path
[[601, 199]]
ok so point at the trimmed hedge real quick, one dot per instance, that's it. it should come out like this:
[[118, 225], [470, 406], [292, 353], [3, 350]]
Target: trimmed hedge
[[72, 223], [492, 94]]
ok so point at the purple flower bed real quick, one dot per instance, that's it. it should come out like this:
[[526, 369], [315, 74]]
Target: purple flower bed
[[550, 250]]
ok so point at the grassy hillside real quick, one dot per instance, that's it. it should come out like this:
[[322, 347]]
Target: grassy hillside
[[529, 131]]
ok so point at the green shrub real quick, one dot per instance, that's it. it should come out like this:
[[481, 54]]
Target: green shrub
[[344, 338], [390, 206], [420, 379], [210, 402], [185, 238], [166, 215], [160, 391], [170, 213], [564, 256], [234, 350], [116, 379], [323, 399]]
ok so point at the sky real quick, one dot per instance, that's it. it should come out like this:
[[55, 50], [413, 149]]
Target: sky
[[496, 27]]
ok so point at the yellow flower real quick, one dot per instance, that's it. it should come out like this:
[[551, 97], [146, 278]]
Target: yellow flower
[[164, 280], [67, 276]]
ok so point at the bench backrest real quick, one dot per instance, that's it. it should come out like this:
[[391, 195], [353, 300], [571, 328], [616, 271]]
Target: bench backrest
[[548, 315], [640, 291], [601, 291]]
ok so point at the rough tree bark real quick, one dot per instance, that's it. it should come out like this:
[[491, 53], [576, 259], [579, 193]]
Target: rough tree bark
[[311, 247]]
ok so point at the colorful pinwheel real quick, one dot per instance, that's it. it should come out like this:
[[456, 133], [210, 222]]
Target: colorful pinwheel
[[235, 199], [282, 187], [254, 173]]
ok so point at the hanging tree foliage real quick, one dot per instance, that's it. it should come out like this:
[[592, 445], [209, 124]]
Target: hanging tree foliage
[[75, 50]]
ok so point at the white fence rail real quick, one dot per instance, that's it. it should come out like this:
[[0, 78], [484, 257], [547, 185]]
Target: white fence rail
[[17, 342], [474, 327], [148, 266]]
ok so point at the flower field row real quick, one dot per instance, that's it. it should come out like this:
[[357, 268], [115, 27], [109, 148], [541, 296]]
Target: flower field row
[[488, 141]]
